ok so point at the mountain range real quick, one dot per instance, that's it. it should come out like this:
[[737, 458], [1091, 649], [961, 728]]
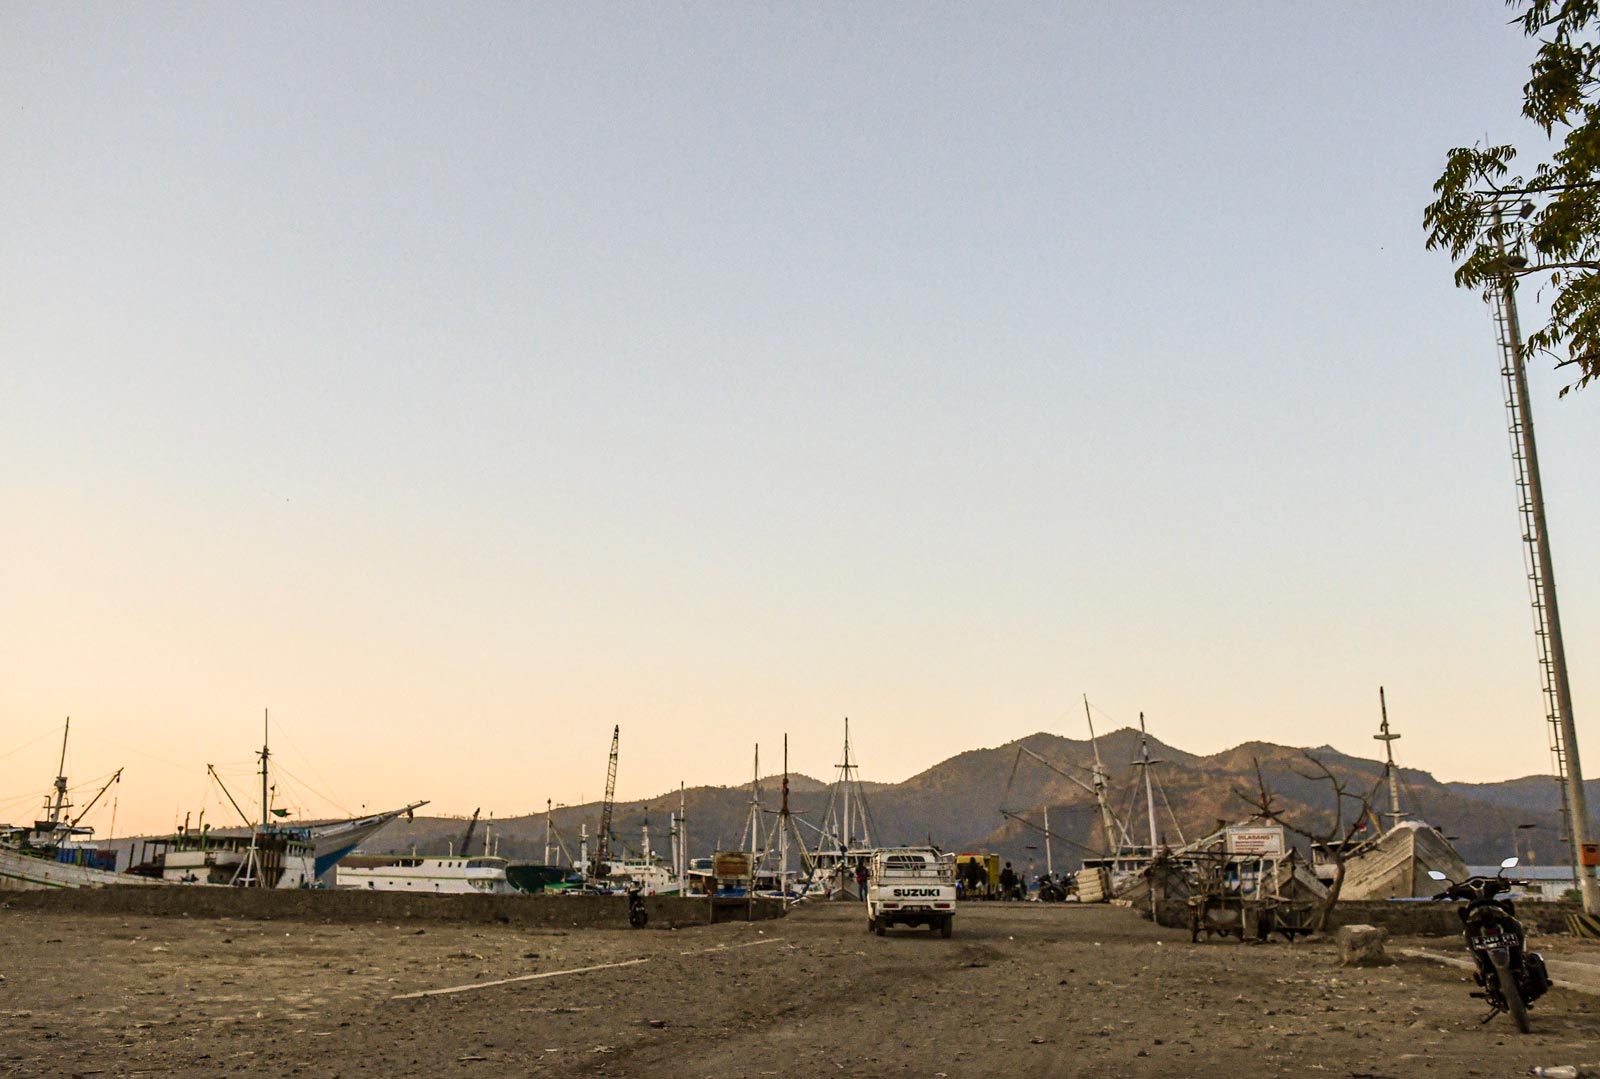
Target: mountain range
[[994, 800]]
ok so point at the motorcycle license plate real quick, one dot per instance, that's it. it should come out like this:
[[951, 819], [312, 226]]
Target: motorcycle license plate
[[1495, 941]]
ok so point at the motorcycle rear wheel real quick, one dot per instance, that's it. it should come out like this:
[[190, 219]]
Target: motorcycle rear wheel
[[1512, 997]]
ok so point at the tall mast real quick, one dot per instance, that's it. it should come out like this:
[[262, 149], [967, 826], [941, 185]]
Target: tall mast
[[845, 838], [1149, 788], [752, 822], [1101, 781], [59, 803], [1049, 866], [1542, 578], [683, 842], [783, 824], [265, 752], [1388, 739], [549, 804]]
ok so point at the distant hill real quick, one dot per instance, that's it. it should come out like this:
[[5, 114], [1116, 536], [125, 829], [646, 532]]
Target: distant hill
[[958, 804], [1530, 794]]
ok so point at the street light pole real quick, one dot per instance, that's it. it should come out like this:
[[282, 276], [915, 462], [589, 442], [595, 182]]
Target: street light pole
[[1516, 843]]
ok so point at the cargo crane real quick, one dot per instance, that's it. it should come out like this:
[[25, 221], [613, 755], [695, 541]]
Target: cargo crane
[[466, 837], [597, 867]]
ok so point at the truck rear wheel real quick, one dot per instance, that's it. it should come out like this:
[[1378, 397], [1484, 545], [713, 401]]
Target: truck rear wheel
[[947, 926], [880, 926]]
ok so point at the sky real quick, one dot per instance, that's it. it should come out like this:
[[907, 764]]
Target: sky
[[457, 383]]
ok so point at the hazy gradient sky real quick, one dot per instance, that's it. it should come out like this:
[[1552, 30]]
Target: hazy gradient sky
[[458, 381]]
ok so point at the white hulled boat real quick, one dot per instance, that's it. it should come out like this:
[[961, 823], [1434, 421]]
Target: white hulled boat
[[56, 852], [484, 875]]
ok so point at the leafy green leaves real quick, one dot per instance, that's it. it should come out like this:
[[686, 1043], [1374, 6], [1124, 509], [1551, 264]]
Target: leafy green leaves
[[1498, 228]]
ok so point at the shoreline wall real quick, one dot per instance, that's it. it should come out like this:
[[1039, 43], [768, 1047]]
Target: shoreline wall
[[563, 911], [1405, 919]]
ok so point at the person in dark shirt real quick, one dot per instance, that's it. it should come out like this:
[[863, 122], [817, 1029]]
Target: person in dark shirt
[[974, 875]]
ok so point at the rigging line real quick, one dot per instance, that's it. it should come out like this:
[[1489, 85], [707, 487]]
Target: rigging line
[[114, 744], [280, 770], [1058, 771], [312, 765], [1103, 713], [1019, 818], [286, 794], [1168, 802], [18, 801], [84, 784], [866, 813], [27, 745], [1016, 763], [215, 793], [1133, 798], [827, 816]]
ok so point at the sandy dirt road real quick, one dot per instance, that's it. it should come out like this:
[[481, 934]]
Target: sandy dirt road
[[1022, 990]]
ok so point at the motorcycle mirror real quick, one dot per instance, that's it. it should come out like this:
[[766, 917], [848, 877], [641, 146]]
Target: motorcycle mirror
[[1436, 875], [1510, 863]]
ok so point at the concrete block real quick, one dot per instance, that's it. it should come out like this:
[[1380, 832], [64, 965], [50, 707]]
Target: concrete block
[[1362, 946]]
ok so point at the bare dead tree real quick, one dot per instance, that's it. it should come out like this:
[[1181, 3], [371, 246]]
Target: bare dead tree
[[1350, 813]]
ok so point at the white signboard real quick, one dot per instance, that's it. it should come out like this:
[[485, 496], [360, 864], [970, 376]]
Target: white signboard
[[1265, 842]]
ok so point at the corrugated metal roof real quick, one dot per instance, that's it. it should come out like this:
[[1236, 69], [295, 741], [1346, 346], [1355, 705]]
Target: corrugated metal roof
[[1526, 872]]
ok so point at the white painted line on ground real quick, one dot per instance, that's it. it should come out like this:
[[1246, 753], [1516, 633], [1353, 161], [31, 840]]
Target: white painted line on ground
[[1592, 988], [519, 978], [730, 947]]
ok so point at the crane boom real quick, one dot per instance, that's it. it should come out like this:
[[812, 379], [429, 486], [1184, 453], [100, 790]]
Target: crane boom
[[466, 837], [602, 847]]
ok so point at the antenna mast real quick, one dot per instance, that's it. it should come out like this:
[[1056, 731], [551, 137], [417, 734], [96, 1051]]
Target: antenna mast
[[59, 802]]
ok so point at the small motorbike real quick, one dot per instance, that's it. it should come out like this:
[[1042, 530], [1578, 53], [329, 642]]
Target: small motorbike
[[1054, 889], [638, 917], [1511, 976]]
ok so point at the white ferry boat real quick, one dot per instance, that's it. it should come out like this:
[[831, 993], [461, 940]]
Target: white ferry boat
[[414, 873]]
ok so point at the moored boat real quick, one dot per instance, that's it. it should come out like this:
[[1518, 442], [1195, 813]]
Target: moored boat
[[272, 857], [56, 852], [484, 874]]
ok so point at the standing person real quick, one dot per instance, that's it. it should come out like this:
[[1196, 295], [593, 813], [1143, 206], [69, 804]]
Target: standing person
[[1008, 882], [974, 874], [861, 879]]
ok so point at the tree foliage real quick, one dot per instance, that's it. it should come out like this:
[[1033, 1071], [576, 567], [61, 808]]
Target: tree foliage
[[1547, 222]]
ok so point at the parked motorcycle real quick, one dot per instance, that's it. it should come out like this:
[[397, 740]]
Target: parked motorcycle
[[1511, 976], [1054, 889], [638, 917]]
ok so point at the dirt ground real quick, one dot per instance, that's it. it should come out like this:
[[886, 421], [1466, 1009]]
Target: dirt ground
[[1021, 990]]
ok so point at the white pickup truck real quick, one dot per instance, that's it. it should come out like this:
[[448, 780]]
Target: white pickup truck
[[910, 886]]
